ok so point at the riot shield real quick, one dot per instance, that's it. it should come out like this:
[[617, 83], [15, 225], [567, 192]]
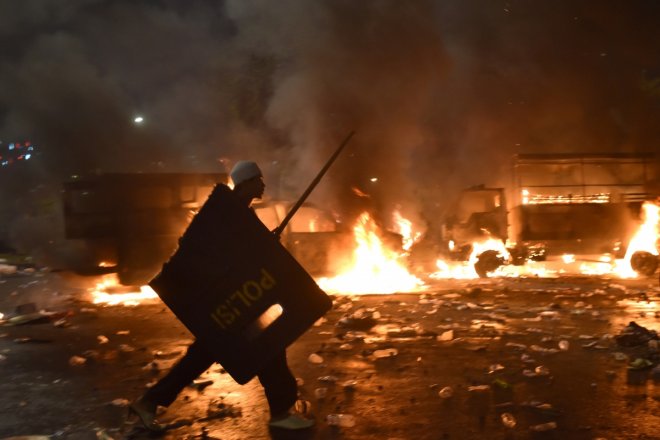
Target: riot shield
[[236, 288]]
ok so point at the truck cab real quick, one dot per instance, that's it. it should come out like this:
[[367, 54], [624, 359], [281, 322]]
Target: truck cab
[[479, 213], [314, 237]]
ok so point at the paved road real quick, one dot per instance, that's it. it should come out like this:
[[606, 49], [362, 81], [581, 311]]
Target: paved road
[[495, 343]]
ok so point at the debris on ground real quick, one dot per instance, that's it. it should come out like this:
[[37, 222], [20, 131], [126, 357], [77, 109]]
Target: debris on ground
[[634, 335], [218, 409], [29, 314], [360, 320], [340, 420]]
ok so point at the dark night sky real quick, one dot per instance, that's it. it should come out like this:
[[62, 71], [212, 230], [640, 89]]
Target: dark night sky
[[441, 93]]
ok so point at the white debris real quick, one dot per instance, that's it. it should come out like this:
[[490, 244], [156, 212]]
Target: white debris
[[6, 269], [508, 420], [385, 353], [120, 402], [446, 392], [542, 371], [479, 388], [527, 359], [544, 427], [76, 361], [340, 420], [539, 349], [349, 385], [495, 367], [446, 336], [315, 359]]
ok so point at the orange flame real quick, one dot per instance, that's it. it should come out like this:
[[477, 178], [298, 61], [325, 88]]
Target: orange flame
[[465, 269], [373, 268], [645, 239], [405, 228], [102, 293]]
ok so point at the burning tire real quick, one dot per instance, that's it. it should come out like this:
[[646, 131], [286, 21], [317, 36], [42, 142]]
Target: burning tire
[[488, 261], [644, 263]]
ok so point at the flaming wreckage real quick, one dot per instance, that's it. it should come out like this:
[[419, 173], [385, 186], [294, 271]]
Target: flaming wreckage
[[131, 223], [582, 205]]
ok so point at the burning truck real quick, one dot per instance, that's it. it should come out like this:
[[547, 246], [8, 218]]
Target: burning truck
[[585, 206], [129, 224]]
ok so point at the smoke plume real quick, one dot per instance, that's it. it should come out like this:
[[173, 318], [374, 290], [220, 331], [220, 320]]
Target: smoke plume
[[440, 94]]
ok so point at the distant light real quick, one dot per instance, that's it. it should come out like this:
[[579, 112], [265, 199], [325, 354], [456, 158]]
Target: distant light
[[138, 120], [374, 179], [28, 156]]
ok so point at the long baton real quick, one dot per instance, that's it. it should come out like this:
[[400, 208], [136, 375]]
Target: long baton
[[278, 231]]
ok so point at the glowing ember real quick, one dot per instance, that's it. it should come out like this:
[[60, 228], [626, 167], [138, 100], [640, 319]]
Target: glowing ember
[[373, 268], [103, 293]]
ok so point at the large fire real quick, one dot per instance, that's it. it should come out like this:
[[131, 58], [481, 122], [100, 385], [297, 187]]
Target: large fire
[[373, 267], [405, 228]]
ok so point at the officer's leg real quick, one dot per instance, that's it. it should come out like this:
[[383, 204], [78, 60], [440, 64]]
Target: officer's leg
[[279, 385]]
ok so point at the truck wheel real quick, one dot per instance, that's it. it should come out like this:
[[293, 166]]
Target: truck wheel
[[487, 261], [644, 263]]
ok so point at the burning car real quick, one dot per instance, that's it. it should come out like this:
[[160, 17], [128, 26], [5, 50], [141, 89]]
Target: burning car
[[319, 240]]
